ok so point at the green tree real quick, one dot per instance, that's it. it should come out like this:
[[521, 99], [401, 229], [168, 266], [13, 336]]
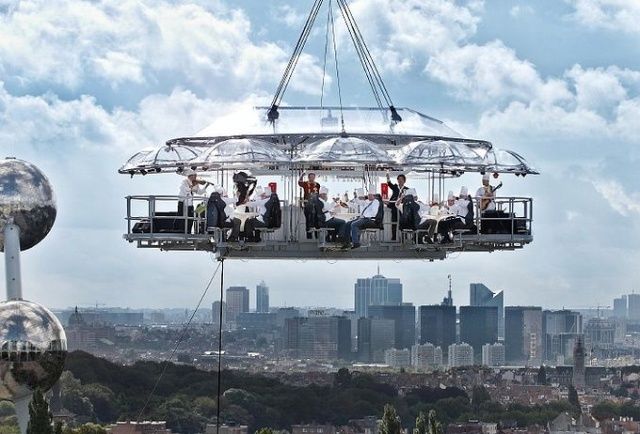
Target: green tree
[[57, 428], [479, 395], [574, 400], [390, 423], [343, 378], [91, 428], [40, 417], [434, 425], [265, 431], [7, 408], [421, 424]]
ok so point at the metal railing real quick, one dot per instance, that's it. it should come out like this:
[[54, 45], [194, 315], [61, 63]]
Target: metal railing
[[156, 217]]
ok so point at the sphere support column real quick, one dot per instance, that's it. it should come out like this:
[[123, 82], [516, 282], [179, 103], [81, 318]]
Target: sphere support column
[[12, 261]]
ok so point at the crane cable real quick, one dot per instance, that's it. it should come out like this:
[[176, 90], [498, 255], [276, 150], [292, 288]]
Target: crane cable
[[219, 346], [177, 344]]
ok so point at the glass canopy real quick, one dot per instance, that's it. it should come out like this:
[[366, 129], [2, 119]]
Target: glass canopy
[[240, 153], [344, 150]]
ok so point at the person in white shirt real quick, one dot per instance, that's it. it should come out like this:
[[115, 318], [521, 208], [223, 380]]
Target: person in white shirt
[[429, 217], [462, 212], [330, 209], [191, 186], [485, 196], [367, 218], [252, 224]]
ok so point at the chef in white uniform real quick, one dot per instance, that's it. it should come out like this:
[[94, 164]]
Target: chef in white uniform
[[189, 188], [486, 193]]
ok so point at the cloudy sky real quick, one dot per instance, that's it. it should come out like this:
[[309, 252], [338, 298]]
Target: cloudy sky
[[84, 84]]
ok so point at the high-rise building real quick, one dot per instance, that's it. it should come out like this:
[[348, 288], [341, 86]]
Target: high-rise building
[[560, 329], [285, 313], [438, 325], [404, 317], [493, 355], [578, 379], [426, 357], [460, 355], [375, 336], [480, 295], [318, 337], [633, 307], [523, 335], [262, 298], [215, 313], [237, 302], [478, 326], [620, 307], [376, 291], [396, 358]]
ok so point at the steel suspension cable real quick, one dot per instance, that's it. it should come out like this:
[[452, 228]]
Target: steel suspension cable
[[326, 49], [177, 345], [219, 346], [335, 54]]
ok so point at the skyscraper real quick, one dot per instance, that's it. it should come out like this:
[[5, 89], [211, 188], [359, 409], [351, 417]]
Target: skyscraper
[[578, 379], [633, 306], [404, 318], [560, 329], [215, 313], [375, 336], [262, 298], [438, 326], [523, 335], [480, 295], [237, 302], [478, 326], [620, 307], [377, 290]]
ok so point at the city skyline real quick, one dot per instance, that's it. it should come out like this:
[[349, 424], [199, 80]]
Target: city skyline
[[474, 66]]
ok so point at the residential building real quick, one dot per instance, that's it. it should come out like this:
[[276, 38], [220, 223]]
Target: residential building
[[396, 358], [426, 357], [493, 355], [460, 355]]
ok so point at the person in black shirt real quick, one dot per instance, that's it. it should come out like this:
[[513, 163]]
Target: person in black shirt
[[396, 191]]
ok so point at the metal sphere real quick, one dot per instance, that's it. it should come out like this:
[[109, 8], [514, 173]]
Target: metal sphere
[[33, 348], [27, 198]]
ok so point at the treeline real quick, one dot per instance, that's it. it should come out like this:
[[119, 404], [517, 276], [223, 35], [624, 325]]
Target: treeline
[[99, 391]]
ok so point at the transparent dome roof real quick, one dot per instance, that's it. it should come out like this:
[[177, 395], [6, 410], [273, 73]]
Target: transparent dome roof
[[314, 120], [430, 155], [505, 161], [339, 150], [136, 160], [240, 153]]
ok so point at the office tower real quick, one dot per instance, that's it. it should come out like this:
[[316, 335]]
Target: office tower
[[560, 330], [633, 307], [319, 337], [404, 317], [523, 335], [480, 295], [258, 321], [237, 302], [493, 355], [438, 326], [353, 318], [620, 307], [262, 298], [599, 335], [460, 355], [426, 357], [478, 326], [377, 290], [578, 379], [397, 358], [285, 313], [448, 300], [375, 336], [215, 313]]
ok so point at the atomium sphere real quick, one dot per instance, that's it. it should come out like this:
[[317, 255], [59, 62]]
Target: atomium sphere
[[33, 349], [26, 197]]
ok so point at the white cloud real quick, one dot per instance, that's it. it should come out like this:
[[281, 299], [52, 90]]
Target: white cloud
[[289, 16], [519, 11], [72, 44], [623, 202], [615, 15]]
